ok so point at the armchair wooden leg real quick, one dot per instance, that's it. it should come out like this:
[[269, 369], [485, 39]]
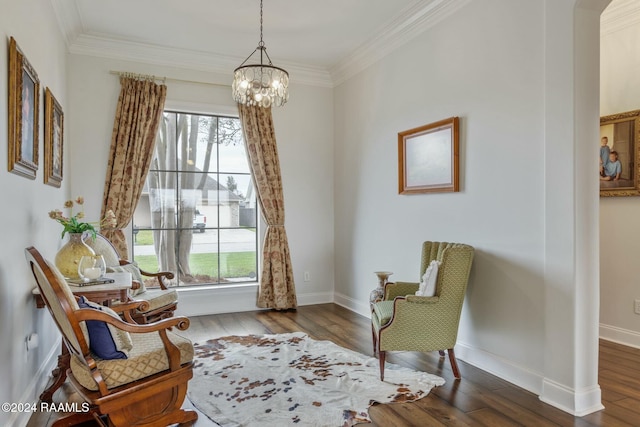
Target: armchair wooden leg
[[454, 363], [382, 356], [375, 340], [441, 353], [59, 375]]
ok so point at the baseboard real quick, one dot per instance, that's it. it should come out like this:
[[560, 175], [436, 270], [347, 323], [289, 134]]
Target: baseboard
[[232, 299], [315, 298], [217, 300], [35, 387], [576, 402], [500, 367], [357, 306], [620, 335]]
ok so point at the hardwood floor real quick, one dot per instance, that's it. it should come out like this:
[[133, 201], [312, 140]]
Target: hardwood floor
[[479, 399]]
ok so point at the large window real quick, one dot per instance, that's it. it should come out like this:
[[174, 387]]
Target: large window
[[197, 215]]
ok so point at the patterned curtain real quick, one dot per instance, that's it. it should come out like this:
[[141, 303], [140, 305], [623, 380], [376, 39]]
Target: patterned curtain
[[277, 288], [138, 115]]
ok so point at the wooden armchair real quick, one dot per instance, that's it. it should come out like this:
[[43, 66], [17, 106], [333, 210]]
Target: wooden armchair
[[147, 388], [408, 322], [162, 300]]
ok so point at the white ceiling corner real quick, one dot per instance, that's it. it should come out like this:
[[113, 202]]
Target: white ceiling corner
[[69, 20], [390, 32], [411, 23], [620, 14]]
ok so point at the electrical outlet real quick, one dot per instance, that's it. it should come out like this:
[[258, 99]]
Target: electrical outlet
[[32, 341], [307, 276], [636, 308]]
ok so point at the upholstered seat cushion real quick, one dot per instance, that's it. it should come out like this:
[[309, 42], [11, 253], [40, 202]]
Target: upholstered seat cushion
[[156, 297], [384, 311], [146, 358]]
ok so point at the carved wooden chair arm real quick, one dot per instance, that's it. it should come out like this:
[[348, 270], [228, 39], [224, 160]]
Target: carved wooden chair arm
[[180, 322], [128, 309], [161, 275]]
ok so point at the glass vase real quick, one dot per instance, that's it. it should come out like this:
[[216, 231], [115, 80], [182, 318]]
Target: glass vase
[[69, 255], [91, 267]]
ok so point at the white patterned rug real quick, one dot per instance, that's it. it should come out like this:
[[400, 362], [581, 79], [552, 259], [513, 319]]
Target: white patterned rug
[[291, 379]]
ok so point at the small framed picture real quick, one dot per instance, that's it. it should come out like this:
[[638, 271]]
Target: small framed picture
[[428, 158], [53, 140], [619, 159], [24, 101]]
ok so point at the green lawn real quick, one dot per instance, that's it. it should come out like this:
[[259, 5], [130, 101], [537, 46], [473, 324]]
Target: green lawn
[[143, 237], [232, 264]]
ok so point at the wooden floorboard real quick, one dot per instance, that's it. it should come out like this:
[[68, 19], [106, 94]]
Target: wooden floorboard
[[479, 399]]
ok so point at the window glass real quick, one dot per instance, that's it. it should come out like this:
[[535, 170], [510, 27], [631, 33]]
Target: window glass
[[197, 214]]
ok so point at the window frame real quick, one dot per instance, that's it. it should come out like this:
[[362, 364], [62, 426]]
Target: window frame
[[181, 108]]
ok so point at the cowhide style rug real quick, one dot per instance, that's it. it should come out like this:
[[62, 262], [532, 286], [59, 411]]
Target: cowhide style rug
[[291, 379]]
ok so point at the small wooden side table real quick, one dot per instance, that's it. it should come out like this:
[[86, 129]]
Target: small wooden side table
[[101, 294]]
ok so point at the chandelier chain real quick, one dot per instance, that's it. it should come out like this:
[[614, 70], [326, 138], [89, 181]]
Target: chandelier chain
[[261, 42], [261, 84]]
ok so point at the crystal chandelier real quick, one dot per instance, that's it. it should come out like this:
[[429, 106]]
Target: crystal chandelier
[[263, 84]]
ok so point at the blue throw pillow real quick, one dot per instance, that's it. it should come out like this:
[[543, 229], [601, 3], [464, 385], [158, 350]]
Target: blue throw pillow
[[101, 342]]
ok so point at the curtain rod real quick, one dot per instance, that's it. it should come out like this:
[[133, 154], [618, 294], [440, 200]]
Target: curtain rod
[[164, 79]]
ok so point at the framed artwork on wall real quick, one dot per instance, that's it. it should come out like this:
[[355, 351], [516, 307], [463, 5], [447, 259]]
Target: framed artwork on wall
[[619, 164], [24, 102], [53, 140], [428, 158]]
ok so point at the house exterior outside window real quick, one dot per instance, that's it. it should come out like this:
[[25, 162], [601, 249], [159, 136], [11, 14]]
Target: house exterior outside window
[[197, 216]]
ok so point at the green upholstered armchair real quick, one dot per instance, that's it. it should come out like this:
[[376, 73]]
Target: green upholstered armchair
[[406, 322]]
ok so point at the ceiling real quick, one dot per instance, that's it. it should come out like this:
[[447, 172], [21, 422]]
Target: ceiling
[[619, 15], [318, 41]]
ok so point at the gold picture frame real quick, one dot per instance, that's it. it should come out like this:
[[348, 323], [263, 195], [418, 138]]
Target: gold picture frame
[[24, 105], [428, 158], [620, 134], [53, 139]]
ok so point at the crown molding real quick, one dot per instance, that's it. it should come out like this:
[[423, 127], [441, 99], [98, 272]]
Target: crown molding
[[106, 47], [412, 22], [620, 14], [69, 19]]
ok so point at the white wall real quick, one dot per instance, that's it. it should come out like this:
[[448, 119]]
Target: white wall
[[24, 221], [524, 208], [619, 230], [472, 66], [486, 64], [304, 130]]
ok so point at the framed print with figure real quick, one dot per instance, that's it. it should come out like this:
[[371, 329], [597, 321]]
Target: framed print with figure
[[428, 159], [53, 140], [24, 98], [619, 164]]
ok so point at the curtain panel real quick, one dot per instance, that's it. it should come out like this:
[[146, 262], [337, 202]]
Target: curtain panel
[[277, 287], [138, 114]]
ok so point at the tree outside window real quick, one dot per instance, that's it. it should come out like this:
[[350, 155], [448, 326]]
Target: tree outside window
[[197, 215]]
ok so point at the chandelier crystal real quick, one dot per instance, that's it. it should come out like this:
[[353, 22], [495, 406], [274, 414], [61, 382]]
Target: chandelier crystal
[[263, 84]]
